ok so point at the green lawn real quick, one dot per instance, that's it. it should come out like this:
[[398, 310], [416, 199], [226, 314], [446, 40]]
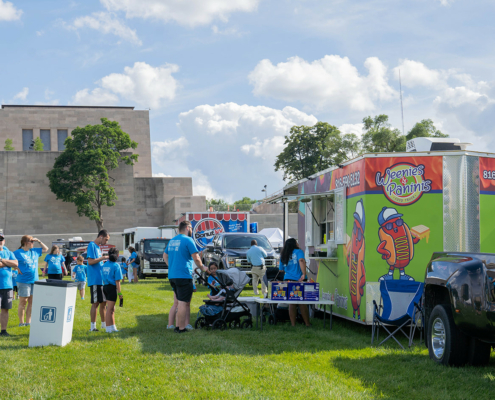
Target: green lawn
[[145, 361]]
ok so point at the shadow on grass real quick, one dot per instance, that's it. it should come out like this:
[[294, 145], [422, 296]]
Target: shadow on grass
[[155, 338], [406, 374]]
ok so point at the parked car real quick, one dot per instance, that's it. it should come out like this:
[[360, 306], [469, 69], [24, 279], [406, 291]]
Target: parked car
[[229, 250], [459, 304]]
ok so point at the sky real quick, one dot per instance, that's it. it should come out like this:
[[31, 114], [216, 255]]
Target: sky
[[225, 80]]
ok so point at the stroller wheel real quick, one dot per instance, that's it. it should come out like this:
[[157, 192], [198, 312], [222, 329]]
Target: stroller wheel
[[272, 320], [200, 323], [246, 324], [220, 324], [235, 324]]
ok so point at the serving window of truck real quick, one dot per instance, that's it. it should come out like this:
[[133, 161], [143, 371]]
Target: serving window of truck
[[381, 217]]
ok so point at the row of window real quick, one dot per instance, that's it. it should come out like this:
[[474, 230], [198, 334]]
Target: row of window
[[45, 136]]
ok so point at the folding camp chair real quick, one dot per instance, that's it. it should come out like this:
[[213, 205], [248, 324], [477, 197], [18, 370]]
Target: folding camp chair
[[401, 307]]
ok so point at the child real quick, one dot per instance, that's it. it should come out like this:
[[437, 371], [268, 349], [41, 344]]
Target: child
[[111, 276], [14, 283], [130, 274], [79, 273], [212, 268], [123, 268]]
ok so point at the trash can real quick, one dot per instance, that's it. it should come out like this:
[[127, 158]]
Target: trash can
[[52, 318]]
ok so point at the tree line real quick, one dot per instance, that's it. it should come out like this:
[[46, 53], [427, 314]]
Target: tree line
[[310, 149]]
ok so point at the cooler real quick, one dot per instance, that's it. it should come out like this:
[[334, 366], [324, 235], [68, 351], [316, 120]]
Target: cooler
[[52, 318]]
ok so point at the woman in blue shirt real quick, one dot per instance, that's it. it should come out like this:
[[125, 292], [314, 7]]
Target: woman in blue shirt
[[292, 261], [133, 264], [55, 264], [27, 256]]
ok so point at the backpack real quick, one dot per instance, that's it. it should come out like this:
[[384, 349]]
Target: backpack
[[137, 260]]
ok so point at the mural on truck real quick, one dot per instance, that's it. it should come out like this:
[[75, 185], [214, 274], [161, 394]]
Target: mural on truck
[[487, 204], [394, 222], [355, 260]]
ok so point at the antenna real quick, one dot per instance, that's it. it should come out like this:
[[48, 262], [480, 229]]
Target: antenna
[[401, 108]]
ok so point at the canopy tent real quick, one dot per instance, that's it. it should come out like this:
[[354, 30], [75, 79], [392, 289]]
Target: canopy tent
[[274, 235]]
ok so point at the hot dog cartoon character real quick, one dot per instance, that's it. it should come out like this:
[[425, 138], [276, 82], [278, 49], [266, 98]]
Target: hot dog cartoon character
[[396, 243], [355, 260]]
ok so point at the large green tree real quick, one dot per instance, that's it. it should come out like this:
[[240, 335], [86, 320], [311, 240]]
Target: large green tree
[[380, 137], [309, 149], [80, 174], [425, 128]]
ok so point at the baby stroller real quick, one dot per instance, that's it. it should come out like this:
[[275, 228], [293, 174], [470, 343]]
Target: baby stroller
[[219, 315]]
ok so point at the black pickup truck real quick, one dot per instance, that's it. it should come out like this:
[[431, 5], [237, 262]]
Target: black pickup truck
[[459, 305], [229, 250]]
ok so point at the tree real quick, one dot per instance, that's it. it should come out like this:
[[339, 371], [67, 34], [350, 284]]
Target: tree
[[215, 202], [310, 149], [245, 200], [380, 137], [38, 145], [80, 174], [425, 128], [8, 145]]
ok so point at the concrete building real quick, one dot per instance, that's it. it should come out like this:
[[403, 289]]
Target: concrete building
[[27, 205]]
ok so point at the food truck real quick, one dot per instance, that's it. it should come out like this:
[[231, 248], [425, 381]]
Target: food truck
[[208, 224], [381, 216]]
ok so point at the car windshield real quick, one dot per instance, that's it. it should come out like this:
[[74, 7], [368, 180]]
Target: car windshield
[[155, 246], [244, 241]]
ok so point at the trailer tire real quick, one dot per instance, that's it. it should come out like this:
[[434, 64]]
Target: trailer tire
[[447, 344], [478, 352]]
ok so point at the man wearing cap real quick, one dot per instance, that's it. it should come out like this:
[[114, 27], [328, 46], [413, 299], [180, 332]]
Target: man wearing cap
[[7, 262]]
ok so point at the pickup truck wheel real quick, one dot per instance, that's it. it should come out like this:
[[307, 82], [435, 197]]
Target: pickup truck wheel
[[478, 352], [447, 344], [141, 275]]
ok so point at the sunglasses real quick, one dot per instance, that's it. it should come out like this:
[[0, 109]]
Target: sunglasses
[[398, 223], [355, 230], [2, 238], [31, 241]]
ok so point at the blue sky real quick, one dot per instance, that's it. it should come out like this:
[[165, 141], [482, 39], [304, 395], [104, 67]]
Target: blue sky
[[226, 79]]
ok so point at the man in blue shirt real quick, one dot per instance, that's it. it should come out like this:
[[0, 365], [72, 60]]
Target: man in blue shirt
[[95, 282], [256, 257], [179, 255], [7, 262]]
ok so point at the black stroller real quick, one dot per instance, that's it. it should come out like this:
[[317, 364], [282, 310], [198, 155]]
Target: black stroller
[[219, 315]]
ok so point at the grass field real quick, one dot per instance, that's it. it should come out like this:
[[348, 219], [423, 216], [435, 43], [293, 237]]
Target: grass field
[[145, 361]]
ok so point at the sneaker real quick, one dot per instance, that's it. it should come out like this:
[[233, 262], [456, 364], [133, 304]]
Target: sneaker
[[189, 327], [182, 331], [27, 324], [82, 298], [170, 327], [94, 330], [176, 329], [4, 334], [22, 324]]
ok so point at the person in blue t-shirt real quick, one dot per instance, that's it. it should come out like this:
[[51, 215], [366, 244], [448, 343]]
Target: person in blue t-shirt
[[123, 268], [55, 264], [256, 257], [292, 261], [79, 274], [180, 255], [132, 263], [7, 263], [95, 283], [27, 256], [111, 276], [213, 268]]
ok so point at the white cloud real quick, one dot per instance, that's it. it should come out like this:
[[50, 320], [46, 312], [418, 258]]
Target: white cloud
[[226, 32], [40, 33], [8, 12], [106, 23], [415, 73], [457, 96], [143, 84], [22, 95], [330, 81], [446, 2], [161, 175], [231, 148], [189, 13], [146, 85], [357, 129], [96, 97]]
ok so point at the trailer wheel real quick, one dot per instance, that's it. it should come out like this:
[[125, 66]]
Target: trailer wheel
[[220, 324], [478, 352], [447, 344]]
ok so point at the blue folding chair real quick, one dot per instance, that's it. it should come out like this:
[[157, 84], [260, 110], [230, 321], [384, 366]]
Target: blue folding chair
[[400, 305]]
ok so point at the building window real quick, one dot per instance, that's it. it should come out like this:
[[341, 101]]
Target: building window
[[27, 138], [45, 138], [61, 135]]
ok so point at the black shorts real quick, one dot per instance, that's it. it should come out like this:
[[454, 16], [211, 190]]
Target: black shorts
[[55, 276], [97, 295], [183, 289], [6, 296], [15, 288], [110, 292]]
